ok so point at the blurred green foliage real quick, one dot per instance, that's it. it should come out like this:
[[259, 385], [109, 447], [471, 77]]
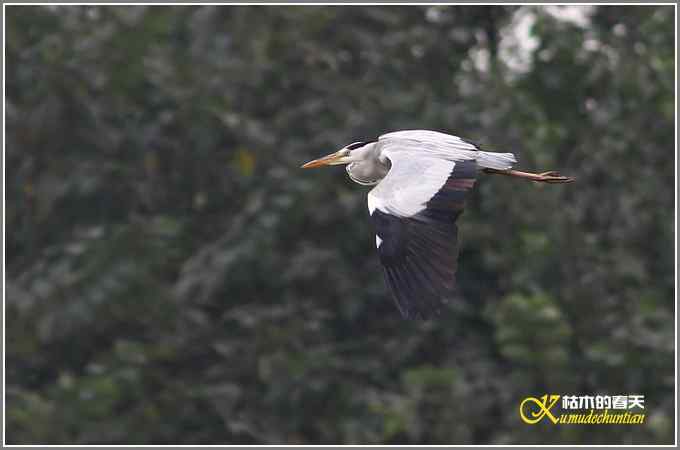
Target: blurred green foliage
[[172, 277]]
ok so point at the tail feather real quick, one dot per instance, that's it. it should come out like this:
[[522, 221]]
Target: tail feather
[[499, 161]]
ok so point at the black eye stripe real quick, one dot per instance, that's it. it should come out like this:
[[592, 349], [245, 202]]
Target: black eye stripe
[[355, 145]]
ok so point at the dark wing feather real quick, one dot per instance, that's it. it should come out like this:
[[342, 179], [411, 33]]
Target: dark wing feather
[[419, 252]]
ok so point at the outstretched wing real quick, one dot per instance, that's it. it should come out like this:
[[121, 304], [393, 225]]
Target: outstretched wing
[[430, 143], [414, 211], [446, 146]]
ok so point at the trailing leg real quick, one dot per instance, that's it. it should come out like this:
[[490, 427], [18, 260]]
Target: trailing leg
[[545, 177]]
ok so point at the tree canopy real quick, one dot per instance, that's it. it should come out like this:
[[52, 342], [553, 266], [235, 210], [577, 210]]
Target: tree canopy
[[173, 277]]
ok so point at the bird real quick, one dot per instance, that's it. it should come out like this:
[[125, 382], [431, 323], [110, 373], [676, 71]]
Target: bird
[[421, 179]]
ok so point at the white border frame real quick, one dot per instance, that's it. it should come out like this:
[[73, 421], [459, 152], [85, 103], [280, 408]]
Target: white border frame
[[339, 3]]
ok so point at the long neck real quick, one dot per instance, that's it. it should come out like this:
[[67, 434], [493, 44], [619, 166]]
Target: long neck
[[367, 168]]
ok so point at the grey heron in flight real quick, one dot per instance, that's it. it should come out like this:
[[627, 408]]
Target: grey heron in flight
[[422, 178]]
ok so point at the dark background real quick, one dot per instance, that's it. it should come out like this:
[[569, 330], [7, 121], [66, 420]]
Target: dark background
[[173, 277]]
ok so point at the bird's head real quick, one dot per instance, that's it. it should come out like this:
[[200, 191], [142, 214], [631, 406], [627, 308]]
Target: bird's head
[[354, 152]]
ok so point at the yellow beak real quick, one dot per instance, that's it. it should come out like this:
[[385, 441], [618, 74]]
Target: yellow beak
[[328, 160]]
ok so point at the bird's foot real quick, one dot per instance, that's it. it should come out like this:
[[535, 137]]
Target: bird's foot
[[552, 177]]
